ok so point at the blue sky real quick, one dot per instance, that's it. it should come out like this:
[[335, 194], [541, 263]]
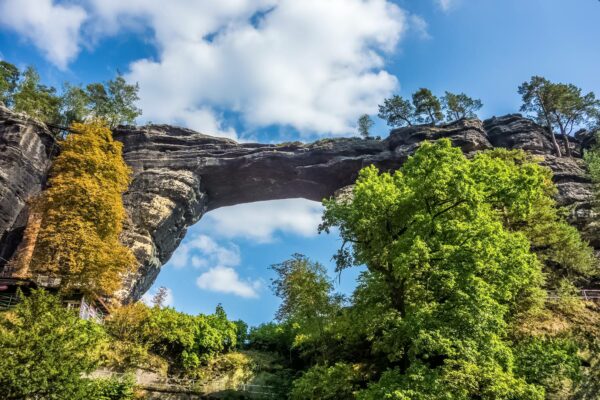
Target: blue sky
[[275, 70]]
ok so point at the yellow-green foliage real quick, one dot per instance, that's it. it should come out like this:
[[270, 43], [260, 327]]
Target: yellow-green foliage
[[82, 213]]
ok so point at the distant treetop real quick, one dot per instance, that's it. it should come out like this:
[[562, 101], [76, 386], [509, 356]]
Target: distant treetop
[[112, 102], [425, 107]]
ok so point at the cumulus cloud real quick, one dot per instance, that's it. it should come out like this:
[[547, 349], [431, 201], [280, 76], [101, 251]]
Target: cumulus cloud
[[260, 221], [219, 261], [168, 302], [201, 250], [226, 280], [313, 65], [53, 28]]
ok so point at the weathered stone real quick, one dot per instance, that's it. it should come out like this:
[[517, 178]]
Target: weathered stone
[[179, 174], [26, 147]]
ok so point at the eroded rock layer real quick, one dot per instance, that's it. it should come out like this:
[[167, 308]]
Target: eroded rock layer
[[26, 148], [179, 174]]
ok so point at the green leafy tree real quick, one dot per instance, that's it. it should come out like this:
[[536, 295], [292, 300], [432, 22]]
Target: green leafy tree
[[45, 349], [272, 337], [365, 123], [437, 241], [241, 330], [185, 340], [558, 106], [9, 78], [550, 362], [337, 382], [459, 106], [397, 111], [113, 102], [427, 106], [36, 100], [307, 298], [592, 161]]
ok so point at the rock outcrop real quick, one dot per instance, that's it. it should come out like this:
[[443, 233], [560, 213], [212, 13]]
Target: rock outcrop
[[26, 149], [179, 174]]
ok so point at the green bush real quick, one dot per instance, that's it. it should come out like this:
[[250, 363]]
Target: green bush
[[114, 388], [337, 382]]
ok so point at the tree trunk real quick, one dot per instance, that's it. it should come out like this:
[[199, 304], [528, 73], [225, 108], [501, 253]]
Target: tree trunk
[[565, 136], [567, 147], [554, 142]]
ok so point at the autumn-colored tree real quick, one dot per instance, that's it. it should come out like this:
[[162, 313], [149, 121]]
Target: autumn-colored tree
[[82, 213]]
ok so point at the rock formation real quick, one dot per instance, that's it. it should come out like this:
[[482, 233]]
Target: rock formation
[[179, 174], [26, 149]]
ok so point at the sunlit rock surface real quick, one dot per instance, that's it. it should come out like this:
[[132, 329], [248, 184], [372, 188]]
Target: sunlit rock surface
[[179, 174]]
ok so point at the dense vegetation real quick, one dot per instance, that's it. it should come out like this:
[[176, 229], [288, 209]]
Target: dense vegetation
[[82, 214], [47, 352], [461, 254], [113, 101], [469, 292]]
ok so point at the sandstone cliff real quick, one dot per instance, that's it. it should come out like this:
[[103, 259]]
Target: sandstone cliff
[[179, 174]]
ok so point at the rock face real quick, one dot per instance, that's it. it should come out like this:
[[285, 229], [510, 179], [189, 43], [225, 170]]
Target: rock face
[[26, 148], [179, 174]]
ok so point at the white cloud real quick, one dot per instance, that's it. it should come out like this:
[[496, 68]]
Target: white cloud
[[169, 299], [200, 251], [53, 28], [226, 280], [261, 220], [419, 26], [312, 64]]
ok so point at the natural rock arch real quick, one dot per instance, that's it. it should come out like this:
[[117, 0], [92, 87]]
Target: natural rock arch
[[179, 175]]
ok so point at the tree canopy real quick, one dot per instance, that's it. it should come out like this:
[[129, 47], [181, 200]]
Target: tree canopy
[[113, 101], [460, 106], [558, 106], [82, 213], [425, 107], [365, 123], [36, 100], [397, 111], [444, 251], [44, 350]]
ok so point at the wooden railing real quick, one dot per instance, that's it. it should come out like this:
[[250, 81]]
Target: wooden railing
[[583, 294], [8, 300], [198, 386]]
